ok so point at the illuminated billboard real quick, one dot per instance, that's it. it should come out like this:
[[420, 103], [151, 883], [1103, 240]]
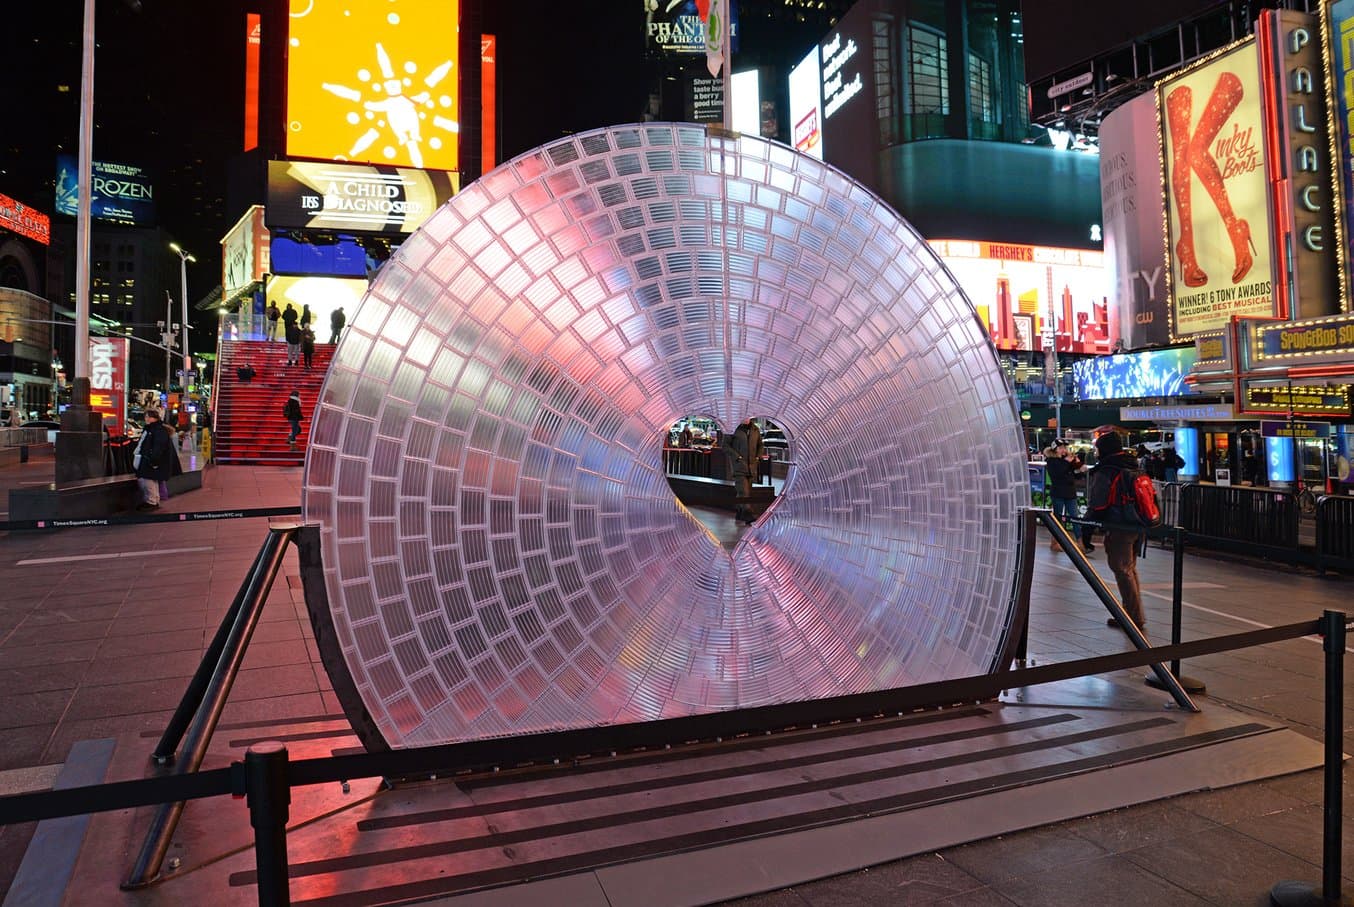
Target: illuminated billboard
[[1216, 183], [375, 82], [119, 193], [322, 294], [806, 106], [1150, 373], [488, 102], [1338, 20], [353, 198], [675, 27], [18, 217], [245, 252], [253, 38], [1032, 296]]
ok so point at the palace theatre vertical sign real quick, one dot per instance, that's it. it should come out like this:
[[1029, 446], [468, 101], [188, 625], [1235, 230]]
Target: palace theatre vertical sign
[[1214, 161], [1304, 231]]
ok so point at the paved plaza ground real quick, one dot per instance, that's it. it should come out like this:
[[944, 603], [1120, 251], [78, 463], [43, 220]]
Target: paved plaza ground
[[100, 629]]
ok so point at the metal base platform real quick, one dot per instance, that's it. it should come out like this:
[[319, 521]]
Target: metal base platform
[[692, 825]]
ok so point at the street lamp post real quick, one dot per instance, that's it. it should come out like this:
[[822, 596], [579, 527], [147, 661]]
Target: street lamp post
[[184, 258]]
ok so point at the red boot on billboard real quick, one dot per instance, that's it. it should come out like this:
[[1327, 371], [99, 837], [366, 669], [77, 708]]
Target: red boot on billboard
[[1178, 107], [1223, 101]]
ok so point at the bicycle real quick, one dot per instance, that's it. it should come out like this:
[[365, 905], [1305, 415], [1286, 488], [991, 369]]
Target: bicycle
[[1306, 499]]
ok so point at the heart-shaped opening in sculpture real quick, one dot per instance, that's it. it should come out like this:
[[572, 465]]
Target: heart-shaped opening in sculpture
[[727, 480]]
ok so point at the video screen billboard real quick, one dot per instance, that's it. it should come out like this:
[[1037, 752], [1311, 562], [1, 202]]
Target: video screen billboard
[[1030, 296], [1216, 182], [119, 193], [806, 106], [353, 198], [1127, 376], [375, 82], [322, 294], [344, 258]]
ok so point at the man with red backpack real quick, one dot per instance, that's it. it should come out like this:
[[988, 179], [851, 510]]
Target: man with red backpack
[[1113, 498]]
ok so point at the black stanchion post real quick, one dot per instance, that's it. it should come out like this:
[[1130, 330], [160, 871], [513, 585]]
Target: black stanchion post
[[1304, 894], [1191, 684], [269, 794]]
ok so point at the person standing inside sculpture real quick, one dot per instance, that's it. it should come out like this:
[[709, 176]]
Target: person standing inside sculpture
[[1062, 467], [1121, 542], [744, 450], [153, 460], [336, 322]]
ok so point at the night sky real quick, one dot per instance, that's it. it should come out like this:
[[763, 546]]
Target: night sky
[[169, 81]]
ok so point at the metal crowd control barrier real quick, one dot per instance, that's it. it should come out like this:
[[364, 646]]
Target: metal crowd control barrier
[[1335, 531], [266, 776], [1261, 519]]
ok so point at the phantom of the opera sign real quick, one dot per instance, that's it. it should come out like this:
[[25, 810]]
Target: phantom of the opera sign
[[1216, 181]]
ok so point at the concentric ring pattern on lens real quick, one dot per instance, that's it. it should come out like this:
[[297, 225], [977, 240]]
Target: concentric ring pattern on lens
[[502, 551]]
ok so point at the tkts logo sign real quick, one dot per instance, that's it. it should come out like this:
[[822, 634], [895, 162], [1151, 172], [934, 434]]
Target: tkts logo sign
[[108, 381]]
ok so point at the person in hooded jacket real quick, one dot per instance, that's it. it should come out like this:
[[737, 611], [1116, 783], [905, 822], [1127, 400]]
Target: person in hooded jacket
[[1121, 542], [156, 465], [1061, 467]]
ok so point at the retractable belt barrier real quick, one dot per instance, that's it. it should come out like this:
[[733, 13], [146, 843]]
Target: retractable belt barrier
[[132, 519]]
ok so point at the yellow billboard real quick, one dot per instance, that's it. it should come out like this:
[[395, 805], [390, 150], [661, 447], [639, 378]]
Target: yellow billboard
[[1216, 180], [374, 83]]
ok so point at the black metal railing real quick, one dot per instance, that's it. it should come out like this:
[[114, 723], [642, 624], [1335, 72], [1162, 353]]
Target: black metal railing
[[1259, 517], [1335, 531]]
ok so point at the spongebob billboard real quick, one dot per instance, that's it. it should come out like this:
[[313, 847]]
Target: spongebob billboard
[[374, 83]]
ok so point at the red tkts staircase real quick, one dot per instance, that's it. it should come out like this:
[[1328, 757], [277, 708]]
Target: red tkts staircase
[[248, 423]]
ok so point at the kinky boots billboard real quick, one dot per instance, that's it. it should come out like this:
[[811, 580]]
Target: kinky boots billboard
[[1215, 164]]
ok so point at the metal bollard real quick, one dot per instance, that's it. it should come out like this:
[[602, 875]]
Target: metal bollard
[[1304, 894], [269, 797]]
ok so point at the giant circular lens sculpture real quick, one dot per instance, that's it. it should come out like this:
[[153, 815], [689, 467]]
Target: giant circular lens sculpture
[[502, 552]]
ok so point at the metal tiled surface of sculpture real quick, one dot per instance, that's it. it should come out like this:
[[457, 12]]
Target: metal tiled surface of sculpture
[[502, 551]]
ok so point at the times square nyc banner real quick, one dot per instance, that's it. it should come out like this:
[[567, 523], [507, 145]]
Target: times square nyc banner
[[1215, 175]]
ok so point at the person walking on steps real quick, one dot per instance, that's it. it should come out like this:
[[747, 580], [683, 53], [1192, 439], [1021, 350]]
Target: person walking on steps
[[1121, 542], [304, 320], [153, 460], [273, 315], [307, 346], [292, 411], [293, 343]]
